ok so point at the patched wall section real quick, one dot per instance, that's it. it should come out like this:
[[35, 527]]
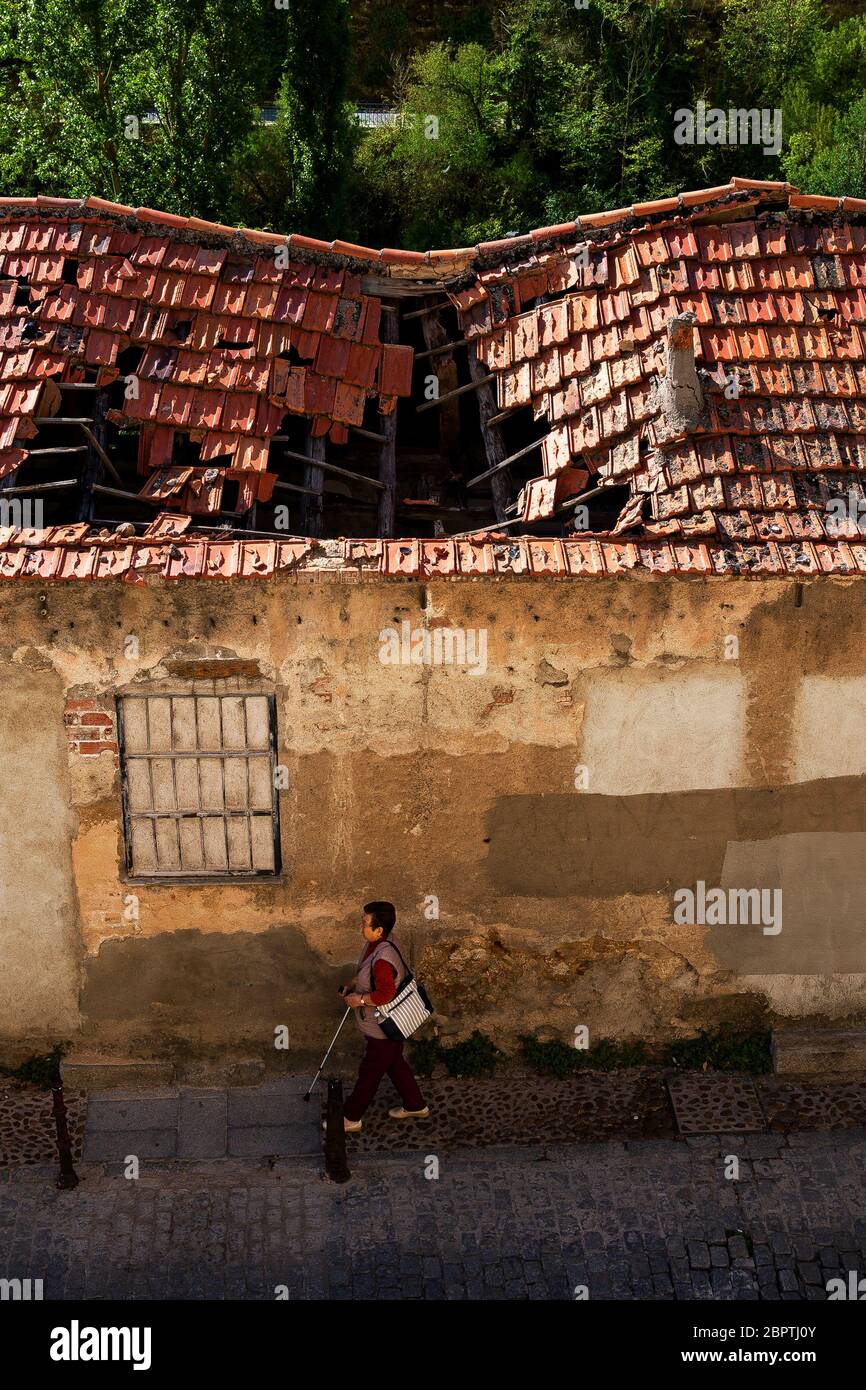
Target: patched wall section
[[648, 731]]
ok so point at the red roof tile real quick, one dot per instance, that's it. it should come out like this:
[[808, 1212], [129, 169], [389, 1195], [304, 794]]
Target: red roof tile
[[395, 374]]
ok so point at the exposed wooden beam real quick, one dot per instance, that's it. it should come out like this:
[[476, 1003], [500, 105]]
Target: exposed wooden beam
[[494, 445], [441, 349], [96, 456], [437, 341], [584, 497], [680, 391], [390, 288], [61, 449], [493, 526], [367, 434], [460, 391], [512, 458], [314, 482], [104, 491], [295, 487], [40, 487], [386, 516], [428, 309], [326, 467], [97, 445], [517, 521]]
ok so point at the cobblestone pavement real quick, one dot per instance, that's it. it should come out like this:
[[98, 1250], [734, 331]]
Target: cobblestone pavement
[[653, 1219], [516, 1106], [27, 1133]]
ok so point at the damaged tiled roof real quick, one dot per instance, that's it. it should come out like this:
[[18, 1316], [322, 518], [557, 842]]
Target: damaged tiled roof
[[776, 284], [216, 314], [571, 322]]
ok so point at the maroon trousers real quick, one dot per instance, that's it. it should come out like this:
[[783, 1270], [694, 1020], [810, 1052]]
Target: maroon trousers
[[383, 1056]]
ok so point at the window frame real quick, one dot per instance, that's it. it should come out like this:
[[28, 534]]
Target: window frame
[[186, 876]]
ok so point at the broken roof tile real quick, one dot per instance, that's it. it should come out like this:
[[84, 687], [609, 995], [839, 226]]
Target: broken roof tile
[[402, 558], [395, 374], [349, 403], [583, 557]]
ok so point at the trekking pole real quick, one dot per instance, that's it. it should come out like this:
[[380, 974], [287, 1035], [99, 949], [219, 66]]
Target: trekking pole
[[328, 1053]]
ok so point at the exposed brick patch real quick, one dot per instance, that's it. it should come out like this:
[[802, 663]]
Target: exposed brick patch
[[90, 729], [88, 748]]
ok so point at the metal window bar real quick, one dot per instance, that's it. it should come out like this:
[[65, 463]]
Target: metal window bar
[[200, 798], [150, 783], [171, 742], [247, 772], [225, 819], [151, 815]]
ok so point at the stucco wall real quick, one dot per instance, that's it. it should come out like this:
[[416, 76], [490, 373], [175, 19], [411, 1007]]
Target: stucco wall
[[40, 939], [619, 745]]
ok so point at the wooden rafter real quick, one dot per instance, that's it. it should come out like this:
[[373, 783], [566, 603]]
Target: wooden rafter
[[386, 514], [314, 482], [494, 445]]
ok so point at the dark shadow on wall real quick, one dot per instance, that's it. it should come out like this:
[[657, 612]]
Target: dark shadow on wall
[[212, 984], [804, 845], [579, 844]]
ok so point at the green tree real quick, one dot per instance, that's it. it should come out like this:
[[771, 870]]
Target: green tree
[[764, 47], [80, 76], [445, 170], [295, 174], [825, 115], [831, 160], [72, 74], [202, 57]]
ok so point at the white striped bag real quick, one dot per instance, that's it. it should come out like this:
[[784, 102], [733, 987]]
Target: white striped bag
[[409, 1008]]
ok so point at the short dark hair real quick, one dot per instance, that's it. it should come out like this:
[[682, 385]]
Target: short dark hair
[[384, 915]]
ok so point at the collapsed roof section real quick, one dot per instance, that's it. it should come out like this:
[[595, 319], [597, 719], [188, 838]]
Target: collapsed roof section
[[689, 371]]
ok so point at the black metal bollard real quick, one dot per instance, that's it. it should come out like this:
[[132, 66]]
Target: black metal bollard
[[336, 1166], [68, 1177]]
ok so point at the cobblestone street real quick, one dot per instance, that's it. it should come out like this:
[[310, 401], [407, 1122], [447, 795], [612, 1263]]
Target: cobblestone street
[[643, 1220]]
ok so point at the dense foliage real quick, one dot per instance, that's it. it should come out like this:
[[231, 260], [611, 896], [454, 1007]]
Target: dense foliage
[[504, 117]]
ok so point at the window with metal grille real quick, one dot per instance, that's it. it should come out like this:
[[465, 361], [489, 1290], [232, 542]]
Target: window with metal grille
[[198, 785]]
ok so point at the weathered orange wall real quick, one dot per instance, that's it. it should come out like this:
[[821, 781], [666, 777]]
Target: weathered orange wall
[[412, 782]]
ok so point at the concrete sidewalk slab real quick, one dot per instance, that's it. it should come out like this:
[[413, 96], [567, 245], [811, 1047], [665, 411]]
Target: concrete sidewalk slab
[[104, 1146], [195, 1123], [155, 1110], [255, 1108], [202, 1124]]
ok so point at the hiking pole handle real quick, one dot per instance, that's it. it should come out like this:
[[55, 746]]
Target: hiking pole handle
[[328, 1053]]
